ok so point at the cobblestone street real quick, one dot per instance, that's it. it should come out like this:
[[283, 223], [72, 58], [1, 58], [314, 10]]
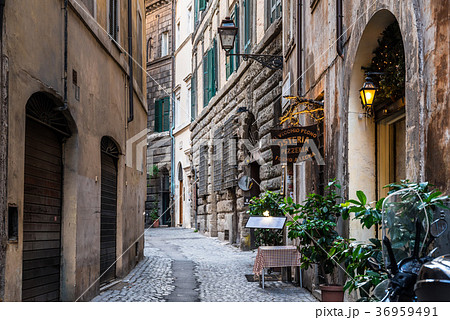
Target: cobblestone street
[[181, 265]]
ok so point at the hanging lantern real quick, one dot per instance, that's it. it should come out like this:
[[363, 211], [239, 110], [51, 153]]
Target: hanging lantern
[[367, 92], [227, 33]]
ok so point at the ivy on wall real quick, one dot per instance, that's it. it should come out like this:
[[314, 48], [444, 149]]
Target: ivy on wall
[[389, 57]]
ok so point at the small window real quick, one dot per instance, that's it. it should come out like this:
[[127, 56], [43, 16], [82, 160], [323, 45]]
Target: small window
[[164, 44], [189, 19], [149, 49], [275, 10], [113, 19], [162, 114], [178, 34]]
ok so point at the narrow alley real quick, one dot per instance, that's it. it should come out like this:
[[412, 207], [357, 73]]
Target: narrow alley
[[181, 265]]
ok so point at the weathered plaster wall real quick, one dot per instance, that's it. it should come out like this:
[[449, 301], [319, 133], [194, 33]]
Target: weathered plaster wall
[[36, 65]]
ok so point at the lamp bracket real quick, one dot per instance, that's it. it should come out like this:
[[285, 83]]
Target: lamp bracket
[[267, 60]]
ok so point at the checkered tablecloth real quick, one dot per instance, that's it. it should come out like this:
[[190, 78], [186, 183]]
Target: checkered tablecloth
[[276, 256]]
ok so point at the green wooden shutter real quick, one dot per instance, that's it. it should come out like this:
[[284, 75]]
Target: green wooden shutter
[[193, 96], [201, 5], [166, 115], [205, 79], [236, 60], [214, 69], [195, 12], [247, 18], [158, 116]]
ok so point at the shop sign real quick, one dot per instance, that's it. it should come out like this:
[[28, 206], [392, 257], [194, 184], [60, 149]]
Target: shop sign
[[287, 143]]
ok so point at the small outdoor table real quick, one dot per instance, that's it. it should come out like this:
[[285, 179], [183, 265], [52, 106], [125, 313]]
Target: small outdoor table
[[275, 256]]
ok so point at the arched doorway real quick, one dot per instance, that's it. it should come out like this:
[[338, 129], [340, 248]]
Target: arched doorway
[[108, 209], [180, 194], [377, 141], [46, 129]]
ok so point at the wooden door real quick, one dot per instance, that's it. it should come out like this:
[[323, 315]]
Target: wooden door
[[42, 214], [108, 219], [181, 203]]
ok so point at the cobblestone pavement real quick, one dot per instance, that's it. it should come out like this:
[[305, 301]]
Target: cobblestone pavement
[[219, 270]]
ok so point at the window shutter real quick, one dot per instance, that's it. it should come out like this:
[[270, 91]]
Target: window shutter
[[217, 160], [236, 60], [247, 18], [214, 83], [229, 170], [193, 96], [203, 171], [201, 5], [158, 116], [166, 110], [205, 79]]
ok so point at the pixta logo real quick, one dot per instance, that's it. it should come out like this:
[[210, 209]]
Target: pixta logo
[[135, 151]]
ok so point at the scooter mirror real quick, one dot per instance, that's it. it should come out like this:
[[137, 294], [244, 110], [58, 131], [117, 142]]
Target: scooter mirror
[[438, 227], [374, 264]]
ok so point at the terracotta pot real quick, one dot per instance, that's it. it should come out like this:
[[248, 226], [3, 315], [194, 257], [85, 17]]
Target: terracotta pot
[[332, 293], [156, 224]]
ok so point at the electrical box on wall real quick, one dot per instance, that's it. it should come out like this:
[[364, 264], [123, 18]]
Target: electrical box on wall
[[13, 223]]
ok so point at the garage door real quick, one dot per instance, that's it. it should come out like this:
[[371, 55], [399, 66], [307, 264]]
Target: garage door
[[108, 224], [42, 214]]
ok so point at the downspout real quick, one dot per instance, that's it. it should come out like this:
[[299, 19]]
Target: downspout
[[339, 41], [130, 62], [3, 169], [66, 4], [300, 47], [172, 127]]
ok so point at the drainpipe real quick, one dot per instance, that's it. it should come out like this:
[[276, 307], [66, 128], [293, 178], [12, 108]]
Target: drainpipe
[[3, 169], [339, 16], [130, 62], [172, 127], [300, 47], [66, 4]]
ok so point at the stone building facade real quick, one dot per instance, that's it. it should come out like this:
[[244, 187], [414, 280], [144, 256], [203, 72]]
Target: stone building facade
[[405, 138], [236, 109], [160, 60], [76, 158]]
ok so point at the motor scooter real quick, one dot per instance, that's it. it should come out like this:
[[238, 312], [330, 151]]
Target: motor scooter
[[408, 253]]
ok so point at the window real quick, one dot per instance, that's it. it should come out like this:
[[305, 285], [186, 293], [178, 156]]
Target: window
[[139, 49], [189, 18], [193, 95], [189, 99], [209, 74], [162, 114], [247, 25], [202, 4], [165, 44], [275, 10], [178, 34], [113, 19], [232, 62], [149, 49], [178, 111]]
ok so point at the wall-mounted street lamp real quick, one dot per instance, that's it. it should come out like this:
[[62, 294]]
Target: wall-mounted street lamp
[[227, 33], [367, 92]]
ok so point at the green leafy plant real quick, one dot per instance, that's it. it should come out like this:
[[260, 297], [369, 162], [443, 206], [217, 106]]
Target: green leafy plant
[[153, 171], [154, 214], [271, 202], [315, 227], [364, 212]]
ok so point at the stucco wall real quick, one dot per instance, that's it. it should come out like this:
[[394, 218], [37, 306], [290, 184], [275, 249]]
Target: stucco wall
[[36, 56]]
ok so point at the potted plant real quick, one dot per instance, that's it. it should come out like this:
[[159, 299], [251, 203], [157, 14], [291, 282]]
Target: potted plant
[[315, 227], [155, 217]]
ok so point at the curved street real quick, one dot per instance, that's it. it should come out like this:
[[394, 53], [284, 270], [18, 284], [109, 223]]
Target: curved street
[[183, 266]]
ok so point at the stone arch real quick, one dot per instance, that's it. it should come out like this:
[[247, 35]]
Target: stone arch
[[365, 154]]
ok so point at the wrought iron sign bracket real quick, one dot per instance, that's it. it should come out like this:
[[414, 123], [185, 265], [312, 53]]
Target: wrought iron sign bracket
[[267, 60]]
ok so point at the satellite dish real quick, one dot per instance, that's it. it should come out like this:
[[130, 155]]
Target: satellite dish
[[245, 183]]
